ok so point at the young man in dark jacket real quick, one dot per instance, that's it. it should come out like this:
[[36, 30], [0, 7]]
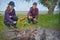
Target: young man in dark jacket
[[33, 14]]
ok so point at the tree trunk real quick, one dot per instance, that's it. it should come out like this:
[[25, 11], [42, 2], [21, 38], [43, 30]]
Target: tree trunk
[[52, 6], [51, 9]]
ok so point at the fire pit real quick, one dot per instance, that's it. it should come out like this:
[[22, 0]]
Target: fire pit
[[36, 34]]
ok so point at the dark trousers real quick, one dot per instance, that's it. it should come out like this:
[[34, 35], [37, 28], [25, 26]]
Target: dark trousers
[[10, 25], [30, 20]]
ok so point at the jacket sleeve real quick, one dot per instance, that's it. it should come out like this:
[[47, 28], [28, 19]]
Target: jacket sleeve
[[30, 11], [8, 17]]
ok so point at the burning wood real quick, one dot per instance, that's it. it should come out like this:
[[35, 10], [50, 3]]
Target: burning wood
[[21, 19]]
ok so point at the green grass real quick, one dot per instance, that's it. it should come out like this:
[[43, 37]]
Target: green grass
[[44, 20]]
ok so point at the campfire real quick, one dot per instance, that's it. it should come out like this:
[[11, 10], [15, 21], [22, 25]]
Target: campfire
[[35, 34]]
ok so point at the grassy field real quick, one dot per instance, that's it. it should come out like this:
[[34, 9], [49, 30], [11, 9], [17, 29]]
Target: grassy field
[[44, 21]]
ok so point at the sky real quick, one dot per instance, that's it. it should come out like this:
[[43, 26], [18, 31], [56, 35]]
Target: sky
[[21, 5]]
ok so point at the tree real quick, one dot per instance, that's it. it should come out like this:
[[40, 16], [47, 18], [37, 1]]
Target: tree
[[50, 4], [59, 13], [59, 5]]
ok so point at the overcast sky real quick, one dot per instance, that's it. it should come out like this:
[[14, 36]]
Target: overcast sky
[[21, 5]]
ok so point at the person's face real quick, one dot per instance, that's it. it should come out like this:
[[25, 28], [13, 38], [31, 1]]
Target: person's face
[[34, 6], [10, 8]]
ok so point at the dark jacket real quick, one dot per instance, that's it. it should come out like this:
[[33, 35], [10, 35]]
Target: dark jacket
[[34, 12], [7, 16]]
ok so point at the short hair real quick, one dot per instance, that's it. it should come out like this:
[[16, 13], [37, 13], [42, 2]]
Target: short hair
[[34, 3]]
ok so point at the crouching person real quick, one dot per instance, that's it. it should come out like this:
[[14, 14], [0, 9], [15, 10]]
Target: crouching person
[[33, 14], [10, 18]]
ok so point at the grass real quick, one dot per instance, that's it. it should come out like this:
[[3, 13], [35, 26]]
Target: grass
[[44, 20]]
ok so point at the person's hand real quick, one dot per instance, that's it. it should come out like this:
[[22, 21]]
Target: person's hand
[[35, 19], [10, 16], [14, 22], [30, 17]]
